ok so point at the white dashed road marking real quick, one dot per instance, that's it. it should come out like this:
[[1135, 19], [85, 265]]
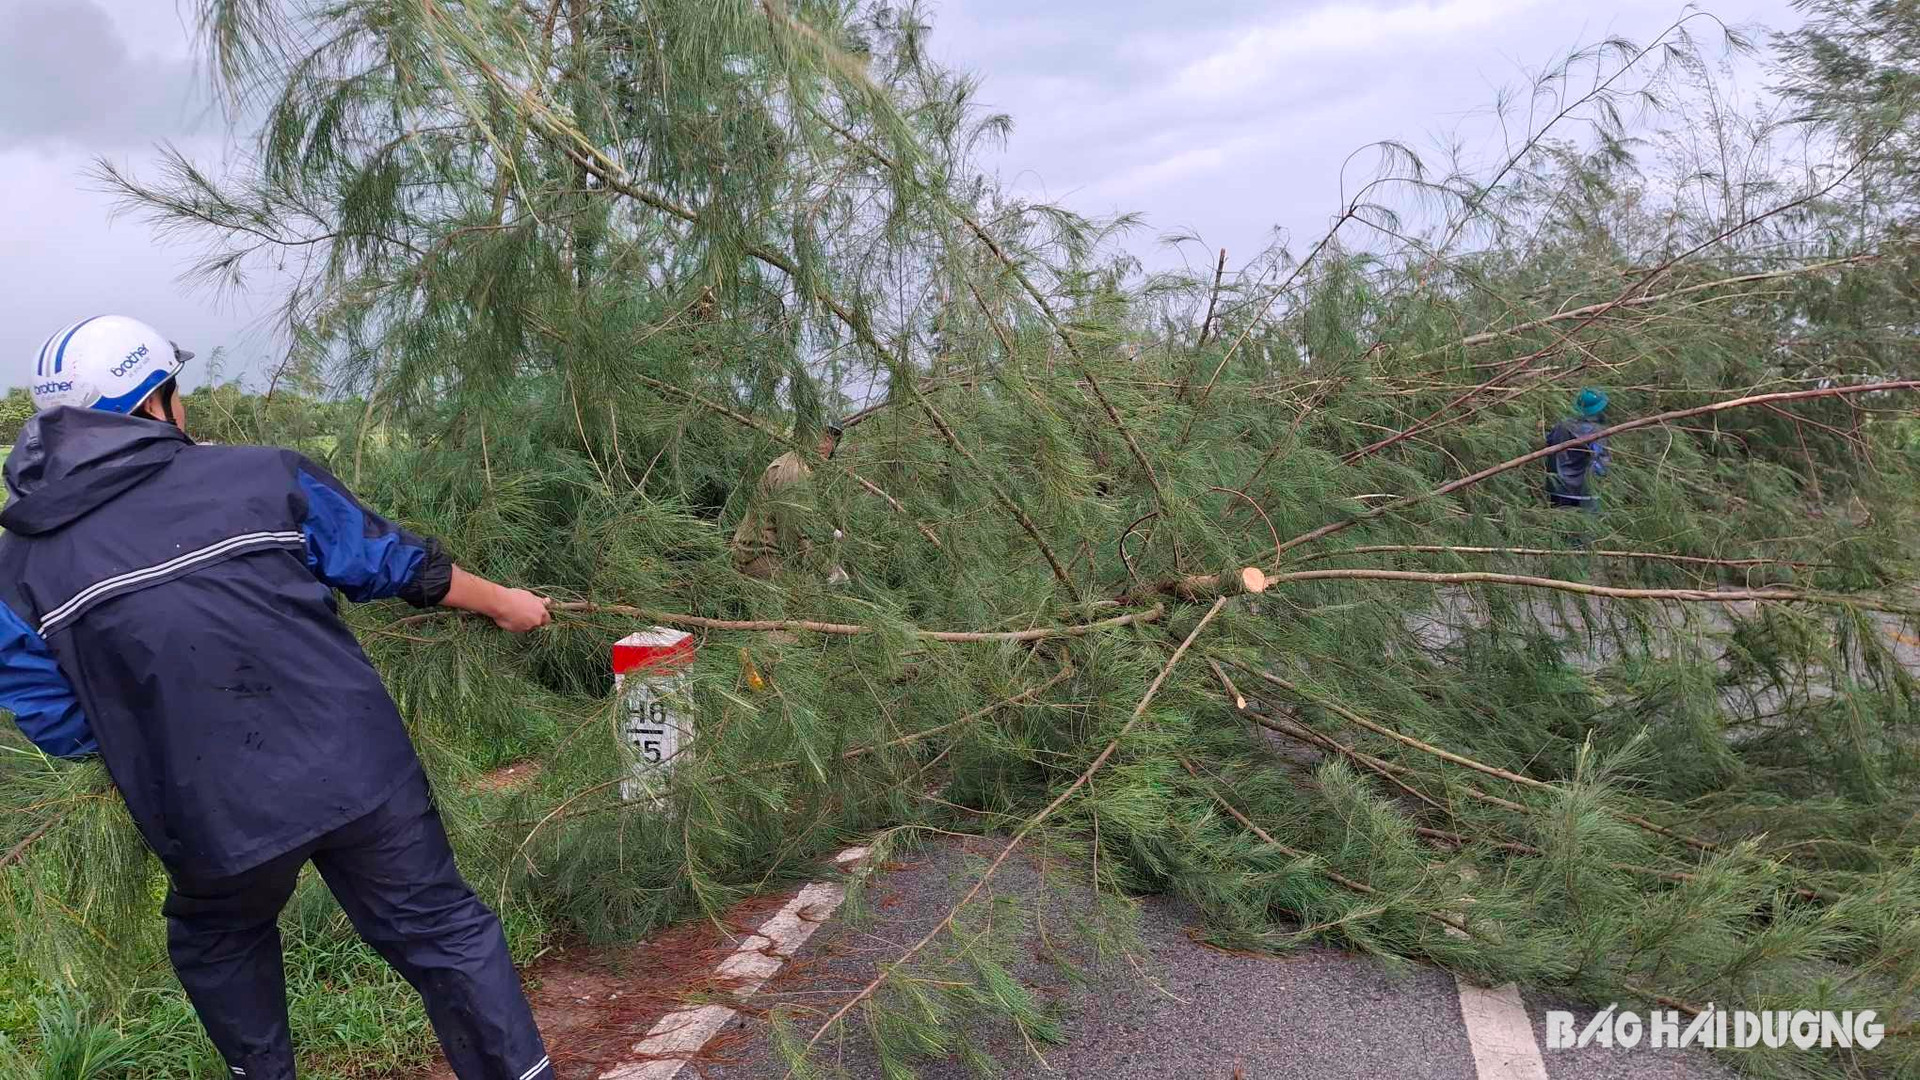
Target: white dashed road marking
[[1497, 1027], [1500, 1033], [680, 1034]]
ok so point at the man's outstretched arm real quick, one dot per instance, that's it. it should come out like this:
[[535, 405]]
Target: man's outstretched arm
[[515, 610], [367, 557]]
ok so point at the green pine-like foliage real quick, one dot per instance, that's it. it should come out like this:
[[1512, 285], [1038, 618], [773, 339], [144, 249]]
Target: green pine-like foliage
[[567, 275]]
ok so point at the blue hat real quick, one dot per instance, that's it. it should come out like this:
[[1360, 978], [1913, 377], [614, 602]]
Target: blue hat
[[1591, 402]]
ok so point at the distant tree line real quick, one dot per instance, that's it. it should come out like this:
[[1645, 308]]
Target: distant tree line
[[14, 410]]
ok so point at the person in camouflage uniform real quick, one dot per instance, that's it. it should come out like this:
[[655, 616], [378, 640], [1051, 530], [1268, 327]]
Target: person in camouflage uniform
[[768, 536]]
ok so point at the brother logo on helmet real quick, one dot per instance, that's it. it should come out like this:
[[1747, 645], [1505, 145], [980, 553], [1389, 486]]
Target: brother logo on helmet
[[133, 359], [53, 387]]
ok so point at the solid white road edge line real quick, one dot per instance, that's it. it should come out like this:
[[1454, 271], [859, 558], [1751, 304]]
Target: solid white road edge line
[[682, 1033]]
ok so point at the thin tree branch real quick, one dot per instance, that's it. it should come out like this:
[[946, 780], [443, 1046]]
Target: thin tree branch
[[1651, 556], [1448, 756], [1026, 829], [1213, 298], [1698, 596], [1039, 299], [1599, 310], [1632, 425], [1649, 299], [780, 437], [917, 736], [26, 841], [1333, 875], [846, 629], [1027, 524]]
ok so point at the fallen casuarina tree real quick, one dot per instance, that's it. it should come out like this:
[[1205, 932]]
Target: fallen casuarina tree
[[1238, 585]]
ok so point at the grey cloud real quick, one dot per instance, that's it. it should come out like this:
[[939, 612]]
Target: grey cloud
[[1259, 138], [68, 78], [1231, 117]]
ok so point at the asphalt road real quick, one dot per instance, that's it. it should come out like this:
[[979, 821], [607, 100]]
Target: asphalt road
[[1187, 1010]]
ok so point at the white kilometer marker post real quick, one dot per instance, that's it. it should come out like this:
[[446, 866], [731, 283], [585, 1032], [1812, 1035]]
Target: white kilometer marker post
[[650, 673]]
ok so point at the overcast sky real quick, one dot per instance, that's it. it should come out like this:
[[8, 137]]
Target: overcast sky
[[1225, 118]]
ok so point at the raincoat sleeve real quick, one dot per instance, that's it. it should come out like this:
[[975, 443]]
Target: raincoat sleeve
[[1602, 457], [33, 689], [359, 552]]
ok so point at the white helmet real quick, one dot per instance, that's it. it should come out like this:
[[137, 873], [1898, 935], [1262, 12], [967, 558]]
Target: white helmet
[[108, 362]]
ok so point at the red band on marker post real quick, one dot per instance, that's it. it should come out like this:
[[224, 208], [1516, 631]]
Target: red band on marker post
[[649, 649]]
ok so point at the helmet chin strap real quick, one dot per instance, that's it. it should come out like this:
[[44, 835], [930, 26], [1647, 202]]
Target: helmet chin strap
[[165, 395]]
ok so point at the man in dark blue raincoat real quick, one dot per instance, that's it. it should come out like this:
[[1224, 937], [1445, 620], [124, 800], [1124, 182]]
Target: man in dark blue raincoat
[[171, 607]]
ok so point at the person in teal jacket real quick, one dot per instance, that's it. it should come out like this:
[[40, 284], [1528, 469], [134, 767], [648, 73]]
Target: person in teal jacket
[[1570, 471]]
